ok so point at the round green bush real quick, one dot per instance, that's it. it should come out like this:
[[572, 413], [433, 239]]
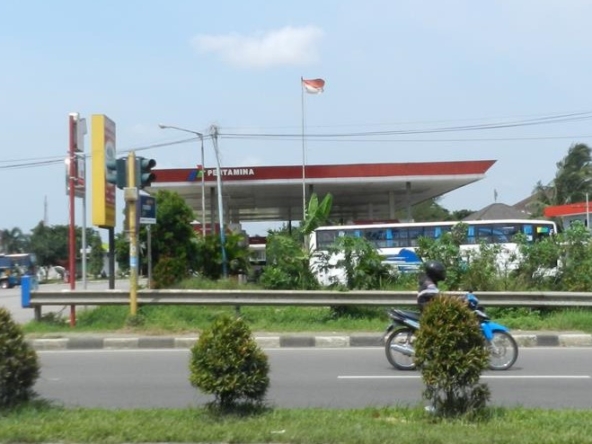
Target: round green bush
[[227, 362], [169, 271], [19, 366], [451, 355]]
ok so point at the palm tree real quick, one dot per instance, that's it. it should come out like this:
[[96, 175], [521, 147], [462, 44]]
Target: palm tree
[[572, 182], [13, 241]]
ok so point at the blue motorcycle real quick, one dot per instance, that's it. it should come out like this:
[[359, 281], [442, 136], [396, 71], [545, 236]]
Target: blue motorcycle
[[400, 336]]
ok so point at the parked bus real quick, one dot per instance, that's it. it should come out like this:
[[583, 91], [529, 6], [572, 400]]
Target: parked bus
[[396, 242]]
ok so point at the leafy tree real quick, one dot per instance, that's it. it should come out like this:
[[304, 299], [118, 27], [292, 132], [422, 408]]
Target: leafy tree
[[446, 249], [317, 214], [576, 262], [287, 265], [209, 255], [429, 210], [573, 180], [172, 235], [122, 252], [460, 214], [96, 260], [363, 265], [13, 241], [50, 245]]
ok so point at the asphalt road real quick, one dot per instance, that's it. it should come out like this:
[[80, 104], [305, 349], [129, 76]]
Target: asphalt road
[[300, 378]]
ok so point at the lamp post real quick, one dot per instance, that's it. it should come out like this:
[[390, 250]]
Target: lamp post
[[214, 133], [203, 173]]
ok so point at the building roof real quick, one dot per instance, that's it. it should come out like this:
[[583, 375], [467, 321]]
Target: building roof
[[573, 209], [497, 211], [360, 191]]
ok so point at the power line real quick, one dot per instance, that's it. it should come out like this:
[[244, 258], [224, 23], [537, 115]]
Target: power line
[[572, 117], [53, 160], [355, 137]]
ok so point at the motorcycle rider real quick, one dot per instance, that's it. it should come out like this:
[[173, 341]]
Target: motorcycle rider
[[434, 272]]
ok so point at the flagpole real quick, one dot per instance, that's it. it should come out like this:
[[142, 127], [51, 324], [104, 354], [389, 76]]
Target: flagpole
[[303, 153]]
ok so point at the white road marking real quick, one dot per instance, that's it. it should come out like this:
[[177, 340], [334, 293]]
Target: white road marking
[[482, 377]]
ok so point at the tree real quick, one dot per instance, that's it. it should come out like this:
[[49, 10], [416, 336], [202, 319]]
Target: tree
[[173, 235], [317, 213], [209, 255], [50, 245], [13, 241], [122, 252], [572, 182], [96, 259], [431, 210]]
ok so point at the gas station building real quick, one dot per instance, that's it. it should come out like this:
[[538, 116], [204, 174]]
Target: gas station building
[[361, 192]]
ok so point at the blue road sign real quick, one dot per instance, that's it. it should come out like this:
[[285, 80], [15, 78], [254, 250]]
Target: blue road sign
[[147, 210]]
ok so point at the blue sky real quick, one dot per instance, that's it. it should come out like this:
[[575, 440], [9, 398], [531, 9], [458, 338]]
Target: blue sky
[[389, 66]]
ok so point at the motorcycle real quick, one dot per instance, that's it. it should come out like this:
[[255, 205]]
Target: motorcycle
[[400, 336]]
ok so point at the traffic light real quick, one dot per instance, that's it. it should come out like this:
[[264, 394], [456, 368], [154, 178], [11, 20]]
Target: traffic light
[[116, 172], [144, 173]]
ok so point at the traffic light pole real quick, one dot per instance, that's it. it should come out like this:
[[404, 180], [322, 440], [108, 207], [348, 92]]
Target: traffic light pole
[[131, 197]]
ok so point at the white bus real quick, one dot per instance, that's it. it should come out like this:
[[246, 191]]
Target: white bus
[[397, 241]]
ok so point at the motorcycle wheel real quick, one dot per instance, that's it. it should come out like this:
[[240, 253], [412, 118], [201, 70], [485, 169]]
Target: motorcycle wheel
[[503, 351], [402, 337]]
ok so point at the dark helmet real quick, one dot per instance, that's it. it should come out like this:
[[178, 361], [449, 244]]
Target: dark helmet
[[435, 270]]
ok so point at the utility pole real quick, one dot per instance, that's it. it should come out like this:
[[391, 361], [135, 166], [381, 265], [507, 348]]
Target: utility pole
[[131, 198], [214, 132]]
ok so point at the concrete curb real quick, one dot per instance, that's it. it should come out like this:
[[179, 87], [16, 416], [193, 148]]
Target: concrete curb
[[279, 341]]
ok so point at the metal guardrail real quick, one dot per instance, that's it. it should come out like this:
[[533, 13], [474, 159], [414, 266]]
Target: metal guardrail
[[37, 298]]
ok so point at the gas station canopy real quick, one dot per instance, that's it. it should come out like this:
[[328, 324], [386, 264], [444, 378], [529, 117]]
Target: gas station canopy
[[360, 191]]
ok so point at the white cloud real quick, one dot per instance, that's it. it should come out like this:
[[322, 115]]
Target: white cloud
[[286, 46]]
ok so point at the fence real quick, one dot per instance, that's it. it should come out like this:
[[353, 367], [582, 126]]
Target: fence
[[35, 298]]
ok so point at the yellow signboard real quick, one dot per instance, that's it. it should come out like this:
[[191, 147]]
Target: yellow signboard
[[103, 192]]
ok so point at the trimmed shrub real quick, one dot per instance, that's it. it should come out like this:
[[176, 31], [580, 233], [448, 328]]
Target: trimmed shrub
[[227, 362], [19, 366], [168, 272], [451, 354]]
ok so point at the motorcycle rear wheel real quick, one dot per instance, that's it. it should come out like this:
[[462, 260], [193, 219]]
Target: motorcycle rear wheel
[[403, 337], [503, 351]]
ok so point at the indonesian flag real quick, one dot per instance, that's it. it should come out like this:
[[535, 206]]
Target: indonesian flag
[[313, 86]]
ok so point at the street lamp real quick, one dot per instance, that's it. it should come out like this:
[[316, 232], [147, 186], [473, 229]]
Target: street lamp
[[203, 173], [219, 186]]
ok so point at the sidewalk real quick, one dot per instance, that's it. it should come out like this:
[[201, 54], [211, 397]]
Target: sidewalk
[[92, 341]]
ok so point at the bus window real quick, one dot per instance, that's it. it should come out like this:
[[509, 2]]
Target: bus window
[[471, 235], [432, 232], [543, 231], [325, 239], [376, 237], [389, 237], [528, 231], [504, 233], [400, 237], [484, 234], [414, 234]]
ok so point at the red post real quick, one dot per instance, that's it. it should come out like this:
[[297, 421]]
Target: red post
[[72, 179]]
